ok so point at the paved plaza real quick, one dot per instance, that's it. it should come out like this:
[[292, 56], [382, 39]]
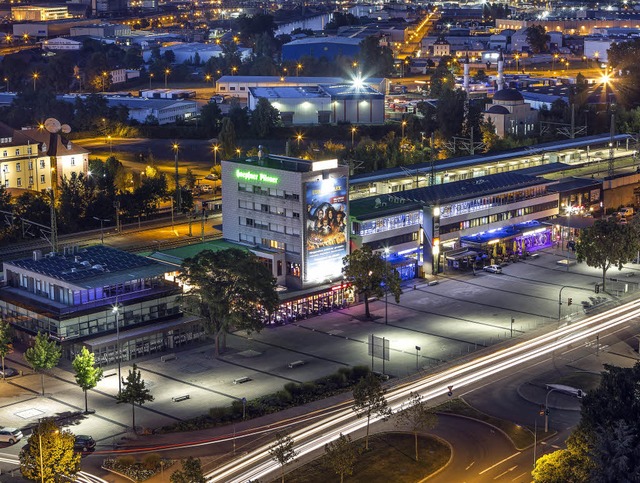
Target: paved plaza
[[460, 315]]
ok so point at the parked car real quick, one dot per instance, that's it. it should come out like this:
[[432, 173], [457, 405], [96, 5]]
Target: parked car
[[216, 99], [10, 435], [626, 211], [212, 177], [8, 372], [84, 443], [493, 268]]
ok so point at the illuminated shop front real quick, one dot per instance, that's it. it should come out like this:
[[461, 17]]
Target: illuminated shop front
[[309, 303]]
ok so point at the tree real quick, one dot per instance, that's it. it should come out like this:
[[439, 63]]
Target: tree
[[341, 456], [367, 271], [369, 400], [264, 118], [607, 243], [6, 342], [375, 60], [617, 454], [190, 179], [537, 38], [227, 139], [283, 451], [57, 460], [87, 374], [417, 416], [442, 80], [134, 391], [570, 465], [191, 472], [229, 288], [44, 354]]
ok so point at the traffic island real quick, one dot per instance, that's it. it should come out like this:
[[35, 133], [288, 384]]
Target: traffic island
[[391, 457]]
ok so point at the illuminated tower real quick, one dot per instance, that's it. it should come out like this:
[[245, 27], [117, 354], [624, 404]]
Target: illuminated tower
[[466, 73], [500, 71]]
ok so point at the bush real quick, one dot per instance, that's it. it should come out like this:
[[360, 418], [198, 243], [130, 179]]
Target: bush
[[151, 461], [126, 460], [359, 372], [219, 413]]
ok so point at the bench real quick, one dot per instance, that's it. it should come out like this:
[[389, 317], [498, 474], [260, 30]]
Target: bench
[[432, 283], [109, 373], [241, 380], [180, 398], [168, 357], [294, 364]]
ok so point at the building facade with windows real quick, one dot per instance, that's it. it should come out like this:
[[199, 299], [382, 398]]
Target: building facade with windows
[[73, 296], [23, 164], [293, 206]]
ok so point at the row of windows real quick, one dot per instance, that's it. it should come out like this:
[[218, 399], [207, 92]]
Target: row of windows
[[393, 241], [387, 223], [262, 225], [267, 242], [264, 208], [232, 88], [6, 169], [498, 217], [19, 181], [486, 202], [262, 190], [5, 153]]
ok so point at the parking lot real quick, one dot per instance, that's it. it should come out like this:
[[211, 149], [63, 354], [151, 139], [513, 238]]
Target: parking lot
[[434, 323]]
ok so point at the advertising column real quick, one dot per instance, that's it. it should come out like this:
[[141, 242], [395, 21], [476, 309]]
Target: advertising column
[[325, 234]]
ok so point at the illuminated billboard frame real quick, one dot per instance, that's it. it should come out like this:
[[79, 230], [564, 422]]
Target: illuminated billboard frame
[[326, 236]]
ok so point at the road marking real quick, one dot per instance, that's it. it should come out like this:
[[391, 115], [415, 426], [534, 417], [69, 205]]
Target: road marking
[[520, 476], [472, 463], [500, 462], [585, 345], [505, 472]]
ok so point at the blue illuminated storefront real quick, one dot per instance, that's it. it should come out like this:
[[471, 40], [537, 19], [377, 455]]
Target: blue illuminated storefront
[[517, 239]]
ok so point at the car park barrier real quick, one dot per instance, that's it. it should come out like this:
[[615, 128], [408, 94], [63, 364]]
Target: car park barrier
[[180, 398], [294, 364], [241, 380], [168, 357]]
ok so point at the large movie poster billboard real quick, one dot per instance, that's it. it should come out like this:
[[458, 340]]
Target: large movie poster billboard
[[325, 228]]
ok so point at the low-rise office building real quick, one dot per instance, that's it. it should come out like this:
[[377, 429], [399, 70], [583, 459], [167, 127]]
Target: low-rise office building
[[105, 299]]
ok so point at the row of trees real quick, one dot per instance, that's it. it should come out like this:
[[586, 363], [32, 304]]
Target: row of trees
[[369, 402]]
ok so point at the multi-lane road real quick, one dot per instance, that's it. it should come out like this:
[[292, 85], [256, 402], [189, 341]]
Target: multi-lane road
[[311, 438]]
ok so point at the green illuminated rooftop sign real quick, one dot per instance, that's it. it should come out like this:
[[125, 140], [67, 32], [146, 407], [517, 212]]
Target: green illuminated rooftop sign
[[248, 175]]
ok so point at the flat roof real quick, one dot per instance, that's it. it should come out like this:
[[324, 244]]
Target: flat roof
[[325, 40], [349, 91], [284, 163], [177, 255], [93, 266], [273, 78], [289, 92], [572, 183], [465, 161], [403, 201]]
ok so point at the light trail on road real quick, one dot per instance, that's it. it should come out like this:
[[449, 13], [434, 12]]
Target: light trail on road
[[257, 463], [81, 476]]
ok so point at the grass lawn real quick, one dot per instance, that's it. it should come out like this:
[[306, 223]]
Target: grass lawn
[[521, 437], [390, 459], [582, 380]]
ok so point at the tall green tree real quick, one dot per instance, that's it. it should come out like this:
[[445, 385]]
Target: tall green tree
[[369, 273], [134, 391], [227, 139], [369, 400], [49, 455], [87, 374], [44, 354], [606, 244], [283, 451], [6, 342], [230, 288], [538, 39], [376, 60], [341, 456], [417, 416], [264, 118], [191, 472]]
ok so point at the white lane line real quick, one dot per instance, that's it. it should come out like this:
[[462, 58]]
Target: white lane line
[[500, 462], [505, 472], [520, 476], [472, 463]]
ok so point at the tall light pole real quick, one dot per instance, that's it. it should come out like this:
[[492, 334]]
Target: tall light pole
[[166, 76], [101, 220], [386, 286], [176, 148], [353, 136], [116, 311], [298, 67], [299, 138], [215, 154], [404, 124], [104, 81], [35, 78], [150, 79], [517, 57], [234, 69], [238, 151]]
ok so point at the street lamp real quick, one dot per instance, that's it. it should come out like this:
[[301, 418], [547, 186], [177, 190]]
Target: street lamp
[[353, 135], [553, 62], [101, 220], [166, 75], [151, 75], [298, 67], [234, 69], [238, 151], [418, 348], [176, 148], [386, 286], [299, 138], [104, 81], [116, 311], [517, 57], [40, 448], [35, 78], [215, 154], [110, 144], [6, 79], [404, 124]]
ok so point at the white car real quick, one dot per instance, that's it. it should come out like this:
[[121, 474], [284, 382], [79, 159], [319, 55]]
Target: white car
[[10, 435], [493, 268]]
